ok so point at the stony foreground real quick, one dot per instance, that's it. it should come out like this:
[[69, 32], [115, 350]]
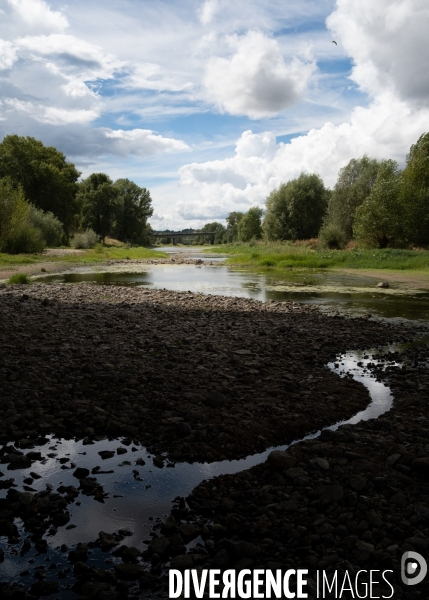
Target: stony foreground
[[207, 378]]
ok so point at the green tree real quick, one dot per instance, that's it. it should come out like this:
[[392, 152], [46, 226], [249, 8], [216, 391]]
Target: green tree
[[250, 225], [50, 227], [233, 220], [379, 220], [99, 199], [17, 235], [296, 209], [133, 210], [354, 184], [415, 191], [217, 236], [48, 181]]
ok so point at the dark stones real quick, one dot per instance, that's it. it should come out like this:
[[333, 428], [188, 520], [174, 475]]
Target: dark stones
[[106, 454], [81, 473], [281, 460]]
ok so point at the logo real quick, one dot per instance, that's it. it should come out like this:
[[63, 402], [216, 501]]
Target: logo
[[413, 568]]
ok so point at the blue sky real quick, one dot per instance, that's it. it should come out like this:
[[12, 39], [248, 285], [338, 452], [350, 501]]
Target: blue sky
[[212, 104]]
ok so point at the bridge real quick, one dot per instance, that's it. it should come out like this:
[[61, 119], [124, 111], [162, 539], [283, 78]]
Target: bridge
[[175, 235]]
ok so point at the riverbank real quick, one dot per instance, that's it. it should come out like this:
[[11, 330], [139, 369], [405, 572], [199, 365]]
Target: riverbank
[[57, 260], [66, 260], [206, 378], [410, 267]]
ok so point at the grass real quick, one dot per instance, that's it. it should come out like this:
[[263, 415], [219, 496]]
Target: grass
[[98, 254], [19, 278], [282, 255]]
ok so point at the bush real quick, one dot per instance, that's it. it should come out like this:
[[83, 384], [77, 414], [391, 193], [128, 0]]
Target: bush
[[47, 223], [87, 239], [19, 278], [332, 237], [17, 235]]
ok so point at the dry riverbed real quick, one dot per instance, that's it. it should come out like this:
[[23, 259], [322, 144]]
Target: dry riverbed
[[206, 378]]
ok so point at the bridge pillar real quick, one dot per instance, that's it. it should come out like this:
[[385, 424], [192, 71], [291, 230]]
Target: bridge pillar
[[174, 241]]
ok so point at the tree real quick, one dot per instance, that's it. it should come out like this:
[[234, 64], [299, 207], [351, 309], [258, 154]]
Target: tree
[[354, 184], [99, 200], [379, 220], [48, 181], [132, 212], [296, 209], [250, 226], [415, 191], [17, 235], [217, 237], [233, 220]]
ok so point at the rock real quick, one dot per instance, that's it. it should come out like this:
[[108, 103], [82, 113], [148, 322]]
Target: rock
[[81, 473], [129, 571], [358, 483], [106, 454], [330, 492], [79, 554], [189, 531], [181, 562], [44, 588], [399, 499], [383, 284], [295, 472], [121, 450], [107, 540], [322, 463], [159, 545], [421, 465], [281, 460], [215, 399]]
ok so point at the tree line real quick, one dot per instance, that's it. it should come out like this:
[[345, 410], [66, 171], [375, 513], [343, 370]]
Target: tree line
[[373, 202], [43, 203]]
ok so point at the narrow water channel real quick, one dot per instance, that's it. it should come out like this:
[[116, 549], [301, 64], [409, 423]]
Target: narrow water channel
[[137, 492]]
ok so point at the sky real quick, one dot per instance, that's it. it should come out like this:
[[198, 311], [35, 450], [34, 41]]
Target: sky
[[212, 104]]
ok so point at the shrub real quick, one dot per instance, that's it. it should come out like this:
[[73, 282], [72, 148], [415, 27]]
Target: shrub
[[87, 239], [19, 278], [47, 223], [332, 237], [17, 235]]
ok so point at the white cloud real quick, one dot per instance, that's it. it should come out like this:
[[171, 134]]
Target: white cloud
[[8, 55], [71, 55], [385, 129], [255, 81], [38, 14], [208, 10], [50, 114], [388, 44], [142, 142], [150, 76]]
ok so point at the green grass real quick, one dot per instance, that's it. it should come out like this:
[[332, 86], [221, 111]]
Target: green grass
[[98, 254], [19, 278], [299, 256]]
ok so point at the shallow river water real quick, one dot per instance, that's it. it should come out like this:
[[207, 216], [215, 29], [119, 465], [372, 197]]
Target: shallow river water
[[330, 290]]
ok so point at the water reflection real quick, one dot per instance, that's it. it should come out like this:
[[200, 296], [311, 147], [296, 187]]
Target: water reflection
[[330, 291]]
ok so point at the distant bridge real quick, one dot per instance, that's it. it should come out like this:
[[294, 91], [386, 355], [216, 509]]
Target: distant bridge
[[175, 235]]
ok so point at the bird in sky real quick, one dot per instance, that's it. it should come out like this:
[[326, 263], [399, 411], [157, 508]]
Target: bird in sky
[[334, 42]]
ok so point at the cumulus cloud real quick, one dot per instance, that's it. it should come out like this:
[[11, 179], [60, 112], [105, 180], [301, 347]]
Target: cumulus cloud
[[385, 129], [141, 142], [49, 114], [8, 55], [255, 81], [208, 10], [388, 44], [71, 55], [38, 14]]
